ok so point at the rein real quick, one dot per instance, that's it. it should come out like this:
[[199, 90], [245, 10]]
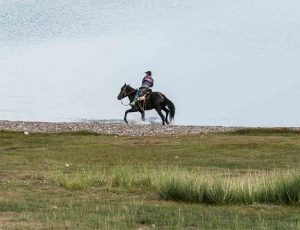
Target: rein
[[126, 95], [124, 104]]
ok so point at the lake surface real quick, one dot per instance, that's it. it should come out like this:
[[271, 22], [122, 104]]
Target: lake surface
[[221, 62]]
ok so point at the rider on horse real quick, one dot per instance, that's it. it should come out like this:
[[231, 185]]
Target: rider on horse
[[147, 84]]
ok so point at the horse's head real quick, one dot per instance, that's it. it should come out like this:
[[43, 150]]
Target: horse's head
[[124, 92]]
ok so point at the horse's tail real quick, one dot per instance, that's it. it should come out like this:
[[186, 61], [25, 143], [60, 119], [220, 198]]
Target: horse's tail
[[171, 107]]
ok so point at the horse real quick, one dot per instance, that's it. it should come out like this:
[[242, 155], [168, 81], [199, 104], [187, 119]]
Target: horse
[[154, 100]]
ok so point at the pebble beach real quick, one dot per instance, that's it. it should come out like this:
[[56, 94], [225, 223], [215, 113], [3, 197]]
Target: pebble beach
[[105, 128]]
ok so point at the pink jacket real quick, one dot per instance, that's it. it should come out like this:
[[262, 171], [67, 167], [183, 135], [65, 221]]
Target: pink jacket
[[147, 82]]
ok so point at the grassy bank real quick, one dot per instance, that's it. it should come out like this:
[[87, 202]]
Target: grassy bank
[[251, 188], [173, 183], [246, 179]]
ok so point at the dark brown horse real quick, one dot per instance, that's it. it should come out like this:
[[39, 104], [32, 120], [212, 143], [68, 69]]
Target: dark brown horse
[[155, 100]]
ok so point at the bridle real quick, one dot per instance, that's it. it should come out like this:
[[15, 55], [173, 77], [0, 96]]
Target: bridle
[[125, 95]]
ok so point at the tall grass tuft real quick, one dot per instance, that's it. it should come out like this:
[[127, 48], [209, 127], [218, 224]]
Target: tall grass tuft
[[263, 187], [135, 177], [277, 187], [122, 176], [78, 180]]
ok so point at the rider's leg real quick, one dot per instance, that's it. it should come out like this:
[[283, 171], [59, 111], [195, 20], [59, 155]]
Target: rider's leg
[[138, 94], [136, 97]]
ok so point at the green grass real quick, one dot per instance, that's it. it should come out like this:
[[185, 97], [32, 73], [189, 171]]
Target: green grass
[[262, 187], [242, 180], [282, 187], [266, 131]]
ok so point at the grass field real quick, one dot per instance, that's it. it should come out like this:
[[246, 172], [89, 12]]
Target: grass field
[[249, 179]]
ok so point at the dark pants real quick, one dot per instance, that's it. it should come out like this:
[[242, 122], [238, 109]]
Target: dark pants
[[140, 92]]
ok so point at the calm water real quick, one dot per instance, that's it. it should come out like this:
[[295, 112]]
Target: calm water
[[221, 62]]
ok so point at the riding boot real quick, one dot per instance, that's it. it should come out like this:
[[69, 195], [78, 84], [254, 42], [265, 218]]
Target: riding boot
[[133, 102]]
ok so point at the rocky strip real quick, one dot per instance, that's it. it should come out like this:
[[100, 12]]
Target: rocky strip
[[110, 128]]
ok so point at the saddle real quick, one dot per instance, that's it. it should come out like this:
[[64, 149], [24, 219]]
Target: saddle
[[145, 94]]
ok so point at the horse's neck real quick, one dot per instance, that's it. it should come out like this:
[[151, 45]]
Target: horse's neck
[[132, 93]]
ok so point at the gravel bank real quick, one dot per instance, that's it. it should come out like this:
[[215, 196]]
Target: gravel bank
[[109, 128]]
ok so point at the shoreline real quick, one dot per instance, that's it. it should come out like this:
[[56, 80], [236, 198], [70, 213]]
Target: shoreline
[[120, 129], [117, 129]]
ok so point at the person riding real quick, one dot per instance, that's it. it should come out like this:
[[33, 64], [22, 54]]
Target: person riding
[[147, 84]]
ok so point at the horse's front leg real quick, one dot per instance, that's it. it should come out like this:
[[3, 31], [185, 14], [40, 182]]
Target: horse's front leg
[[129, 111]]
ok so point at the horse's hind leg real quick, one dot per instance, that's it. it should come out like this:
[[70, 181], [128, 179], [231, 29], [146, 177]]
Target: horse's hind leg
[[167, 114], [143, 115], [161, 115]]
